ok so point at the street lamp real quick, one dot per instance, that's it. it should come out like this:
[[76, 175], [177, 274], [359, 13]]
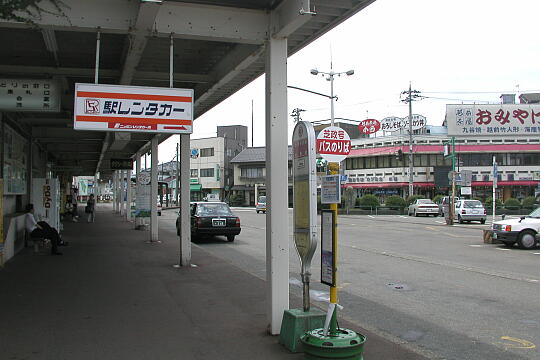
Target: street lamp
[[330, 77]]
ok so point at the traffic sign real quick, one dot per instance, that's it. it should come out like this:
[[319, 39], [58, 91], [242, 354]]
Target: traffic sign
[[334, 144]]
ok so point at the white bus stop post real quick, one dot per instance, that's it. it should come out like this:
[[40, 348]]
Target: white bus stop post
[[185, 216], [154, 226], [277, 218]]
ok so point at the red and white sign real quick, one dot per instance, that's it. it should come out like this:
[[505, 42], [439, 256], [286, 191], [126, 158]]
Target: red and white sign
[[334, 144], [369, 126], [133, 108]]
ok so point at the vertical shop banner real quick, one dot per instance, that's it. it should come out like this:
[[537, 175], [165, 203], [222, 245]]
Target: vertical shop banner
[[143, 207], [133, 108]]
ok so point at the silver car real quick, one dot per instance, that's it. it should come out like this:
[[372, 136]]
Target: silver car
[[470, 210], [423, 207]]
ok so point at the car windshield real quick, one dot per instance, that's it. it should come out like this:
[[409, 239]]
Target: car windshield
[[262, 199], [472, 204], [425, 201], [213, 210], [535, 213]]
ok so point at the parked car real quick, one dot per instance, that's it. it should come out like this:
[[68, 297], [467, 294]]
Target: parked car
[[525, 230], [423, 207], [261, 205], [445, 201], [212, 219], [470, 210]]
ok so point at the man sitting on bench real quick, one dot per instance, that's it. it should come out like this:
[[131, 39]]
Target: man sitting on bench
[[41, 230]]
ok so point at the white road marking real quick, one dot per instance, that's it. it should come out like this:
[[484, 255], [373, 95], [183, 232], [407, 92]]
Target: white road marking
[[536, 253], [371, 216], [503, 249], [476, 245]]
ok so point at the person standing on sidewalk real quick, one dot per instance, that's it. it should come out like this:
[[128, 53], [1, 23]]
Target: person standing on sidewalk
[[91, 208], [41, 230], [74, 194]]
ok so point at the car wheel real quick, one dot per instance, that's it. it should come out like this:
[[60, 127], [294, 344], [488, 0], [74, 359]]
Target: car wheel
[[257, 211], [415, 214], [460, 220], [230, 238], [526, 240], [483, 221]]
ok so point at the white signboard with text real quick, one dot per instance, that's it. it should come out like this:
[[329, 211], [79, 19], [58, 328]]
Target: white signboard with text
[[133, 108], [330, 189], [29, 95], [394, 123], [493, 120]]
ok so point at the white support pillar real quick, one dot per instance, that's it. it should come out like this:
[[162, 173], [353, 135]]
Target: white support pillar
[[121, 191], [124, 193], [154, 226], [115, 191], [277, 217], [129, 196], [118, 191], [137, 172], [185, 216]]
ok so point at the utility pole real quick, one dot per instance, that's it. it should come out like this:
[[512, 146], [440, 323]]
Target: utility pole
[[177, 172], [411, 95], [296, 114], [251, 122]]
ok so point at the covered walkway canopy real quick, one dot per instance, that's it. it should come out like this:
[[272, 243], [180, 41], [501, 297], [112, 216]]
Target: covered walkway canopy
[[218, 47]]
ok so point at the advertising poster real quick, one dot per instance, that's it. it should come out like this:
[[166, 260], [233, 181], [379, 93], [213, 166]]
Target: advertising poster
[[143, 208], [328, 261]]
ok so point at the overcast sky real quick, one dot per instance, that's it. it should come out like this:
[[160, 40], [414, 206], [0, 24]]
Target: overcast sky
[[452, 51]]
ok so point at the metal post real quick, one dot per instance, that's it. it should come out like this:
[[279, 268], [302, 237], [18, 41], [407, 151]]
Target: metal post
[[178, 170], [411, 167], [154, 226], [277, 217], [452, 209], [494, 187], [171, 61], [185, 216], [98, 45], [334, 170]]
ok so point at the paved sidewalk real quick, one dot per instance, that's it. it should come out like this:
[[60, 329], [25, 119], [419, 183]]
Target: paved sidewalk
[[113, 296]]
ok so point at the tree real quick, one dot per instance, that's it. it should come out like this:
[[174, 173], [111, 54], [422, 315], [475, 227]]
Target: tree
[[369, 201], [512, 203], [395, 201], [413, 198], [349, 198], [28, 11], [529, 202]]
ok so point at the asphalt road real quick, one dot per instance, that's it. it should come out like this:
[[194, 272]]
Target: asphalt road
[[438, 289]]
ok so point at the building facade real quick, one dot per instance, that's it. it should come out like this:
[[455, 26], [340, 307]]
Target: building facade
[[380, 166], [250, 175]]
